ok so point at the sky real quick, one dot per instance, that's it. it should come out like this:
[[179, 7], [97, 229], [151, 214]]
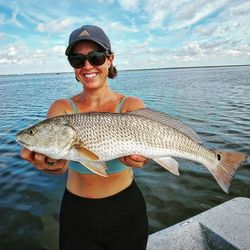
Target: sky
[[144, 34]]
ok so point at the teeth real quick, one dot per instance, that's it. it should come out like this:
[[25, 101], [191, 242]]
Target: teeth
[[90, 75]]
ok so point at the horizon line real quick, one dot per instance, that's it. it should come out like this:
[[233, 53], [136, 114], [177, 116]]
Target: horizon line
[[178, 67]]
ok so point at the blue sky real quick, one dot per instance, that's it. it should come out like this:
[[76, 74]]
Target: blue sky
[[144, 34]]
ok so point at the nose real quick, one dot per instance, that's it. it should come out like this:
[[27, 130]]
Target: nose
[[87, 64]]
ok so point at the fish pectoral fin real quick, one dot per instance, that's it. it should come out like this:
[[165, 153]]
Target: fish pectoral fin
[[96, 167], [168, 163], [86, 153]]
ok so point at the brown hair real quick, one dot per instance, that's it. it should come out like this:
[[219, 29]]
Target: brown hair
[[112, 72]]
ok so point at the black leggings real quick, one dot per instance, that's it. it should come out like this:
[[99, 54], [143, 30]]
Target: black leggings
[[118, 222]]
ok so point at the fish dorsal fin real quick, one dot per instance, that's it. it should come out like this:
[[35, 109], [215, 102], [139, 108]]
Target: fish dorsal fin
[[167, 120]]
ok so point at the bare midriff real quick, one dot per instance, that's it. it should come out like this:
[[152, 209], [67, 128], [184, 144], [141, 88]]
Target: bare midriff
[[95, 186]]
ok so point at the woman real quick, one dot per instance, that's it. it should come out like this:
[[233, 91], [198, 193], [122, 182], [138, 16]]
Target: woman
[[97, 212]]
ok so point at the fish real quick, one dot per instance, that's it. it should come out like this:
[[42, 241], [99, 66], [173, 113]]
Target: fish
[[96, 137]]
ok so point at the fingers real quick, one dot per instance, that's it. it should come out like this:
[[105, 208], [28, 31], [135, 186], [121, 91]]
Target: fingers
[[44, 163], [138, 158], [136, 161], [39, 158], [27, 154], [57, 171]]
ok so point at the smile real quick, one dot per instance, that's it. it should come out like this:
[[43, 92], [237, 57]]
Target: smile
[[90, 75]]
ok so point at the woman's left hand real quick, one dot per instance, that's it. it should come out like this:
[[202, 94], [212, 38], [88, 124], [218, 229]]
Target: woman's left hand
[[136, 161]]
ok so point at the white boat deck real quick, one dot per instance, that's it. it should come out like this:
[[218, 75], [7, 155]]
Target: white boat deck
[[226, 226]]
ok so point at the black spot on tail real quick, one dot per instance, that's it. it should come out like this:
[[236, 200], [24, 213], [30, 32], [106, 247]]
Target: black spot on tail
[[218, 157]]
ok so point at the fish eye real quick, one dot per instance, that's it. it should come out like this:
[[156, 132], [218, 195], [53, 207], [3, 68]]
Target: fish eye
[[31, 131]]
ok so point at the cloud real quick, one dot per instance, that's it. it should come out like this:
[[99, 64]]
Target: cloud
[[189, 49], [157, 10], [18, 53], [55, 26], [205, 31], [13, 54], [58, 50], [14, 20], [192, 14], [179, 14], [2, 35], [12, 51], [242, 9], [129, 4], [1, 19], [212, 44], [11, 20], [119, 27]]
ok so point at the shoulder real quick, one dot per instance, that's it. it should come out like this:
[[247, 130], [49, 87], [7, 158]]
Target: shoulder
[[59, 107], [132, 103]]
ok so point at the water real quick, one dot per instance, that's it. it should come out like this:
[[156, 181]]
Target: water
[[214, 101]]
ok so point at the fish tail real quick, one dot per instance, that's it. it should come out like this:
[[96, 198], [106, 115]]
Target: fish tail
[[227, 164]]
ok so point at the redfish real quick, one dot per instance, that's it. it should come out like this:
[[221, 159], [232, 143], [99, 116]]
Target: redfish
[[94, 138]]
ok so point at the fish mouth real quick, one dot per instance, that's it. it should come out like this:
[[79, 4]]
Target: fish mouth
[[19, 140]]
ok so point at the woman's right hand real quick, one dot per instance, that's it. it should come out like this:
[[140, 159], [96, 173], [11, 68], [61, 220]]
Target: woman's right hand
[[44, 163], [40, 161]]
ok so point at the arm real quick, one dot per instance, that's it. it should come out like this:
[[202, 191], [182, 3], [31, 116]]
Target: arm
[[137, 161], [40, 161]]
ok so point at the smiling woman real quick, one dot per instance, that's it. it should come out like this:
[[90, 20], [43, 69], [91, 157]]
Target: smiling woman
[[111, 207]]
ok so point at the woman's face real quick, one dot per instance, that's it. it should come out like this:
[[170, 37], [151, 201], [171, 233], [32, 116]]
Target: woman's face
[[92, 77]]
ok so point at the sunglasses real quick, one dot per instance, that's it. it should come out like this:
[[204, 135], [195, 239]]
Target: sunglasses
[[95, 58]]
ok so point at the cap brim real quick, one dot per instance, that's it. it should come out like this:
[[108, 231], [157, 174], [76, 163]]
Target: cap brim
[[69, 48]]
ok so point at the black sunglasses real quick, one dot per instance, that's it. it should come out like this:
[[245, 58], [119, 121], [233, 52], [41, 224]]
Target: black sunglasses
[[95, 58]]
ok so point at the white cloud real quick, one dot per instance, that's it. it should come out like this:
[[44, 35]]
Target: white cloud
[[55, 26], [119, 27], [18, 53], [189, 49], [157, 10], [13, 54], [241, 9], [4, 61], [39, 53], [12, 51], [191, 14], [179, 14], [14, 20], [58, 50], [205, 31], [183, 58], [1, 19], [212, 44], [129, 4], [2, 35]]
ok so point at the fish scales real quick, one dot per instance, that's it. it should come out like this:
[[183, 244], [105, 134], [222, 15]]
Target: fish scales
[[113, 135]]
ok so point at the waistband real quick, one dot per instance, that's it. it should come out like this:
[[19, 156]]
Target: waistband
[[110, 199]]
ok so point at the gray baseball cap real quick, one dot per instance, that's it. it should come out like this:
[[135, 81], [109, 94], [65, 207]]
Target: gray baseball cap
[[90, 33]]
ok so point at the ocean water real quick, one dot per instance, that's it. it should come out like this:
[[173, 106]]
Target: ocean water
[[213, 101]]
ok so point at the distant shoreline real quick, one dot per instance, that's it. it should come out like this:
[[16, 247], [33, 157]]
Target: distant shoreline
[[121, 70], [189, 67]]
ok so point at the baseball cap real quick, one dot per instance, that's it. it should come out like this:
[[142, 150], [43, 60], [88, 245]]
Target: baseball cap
[[90, 33]]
